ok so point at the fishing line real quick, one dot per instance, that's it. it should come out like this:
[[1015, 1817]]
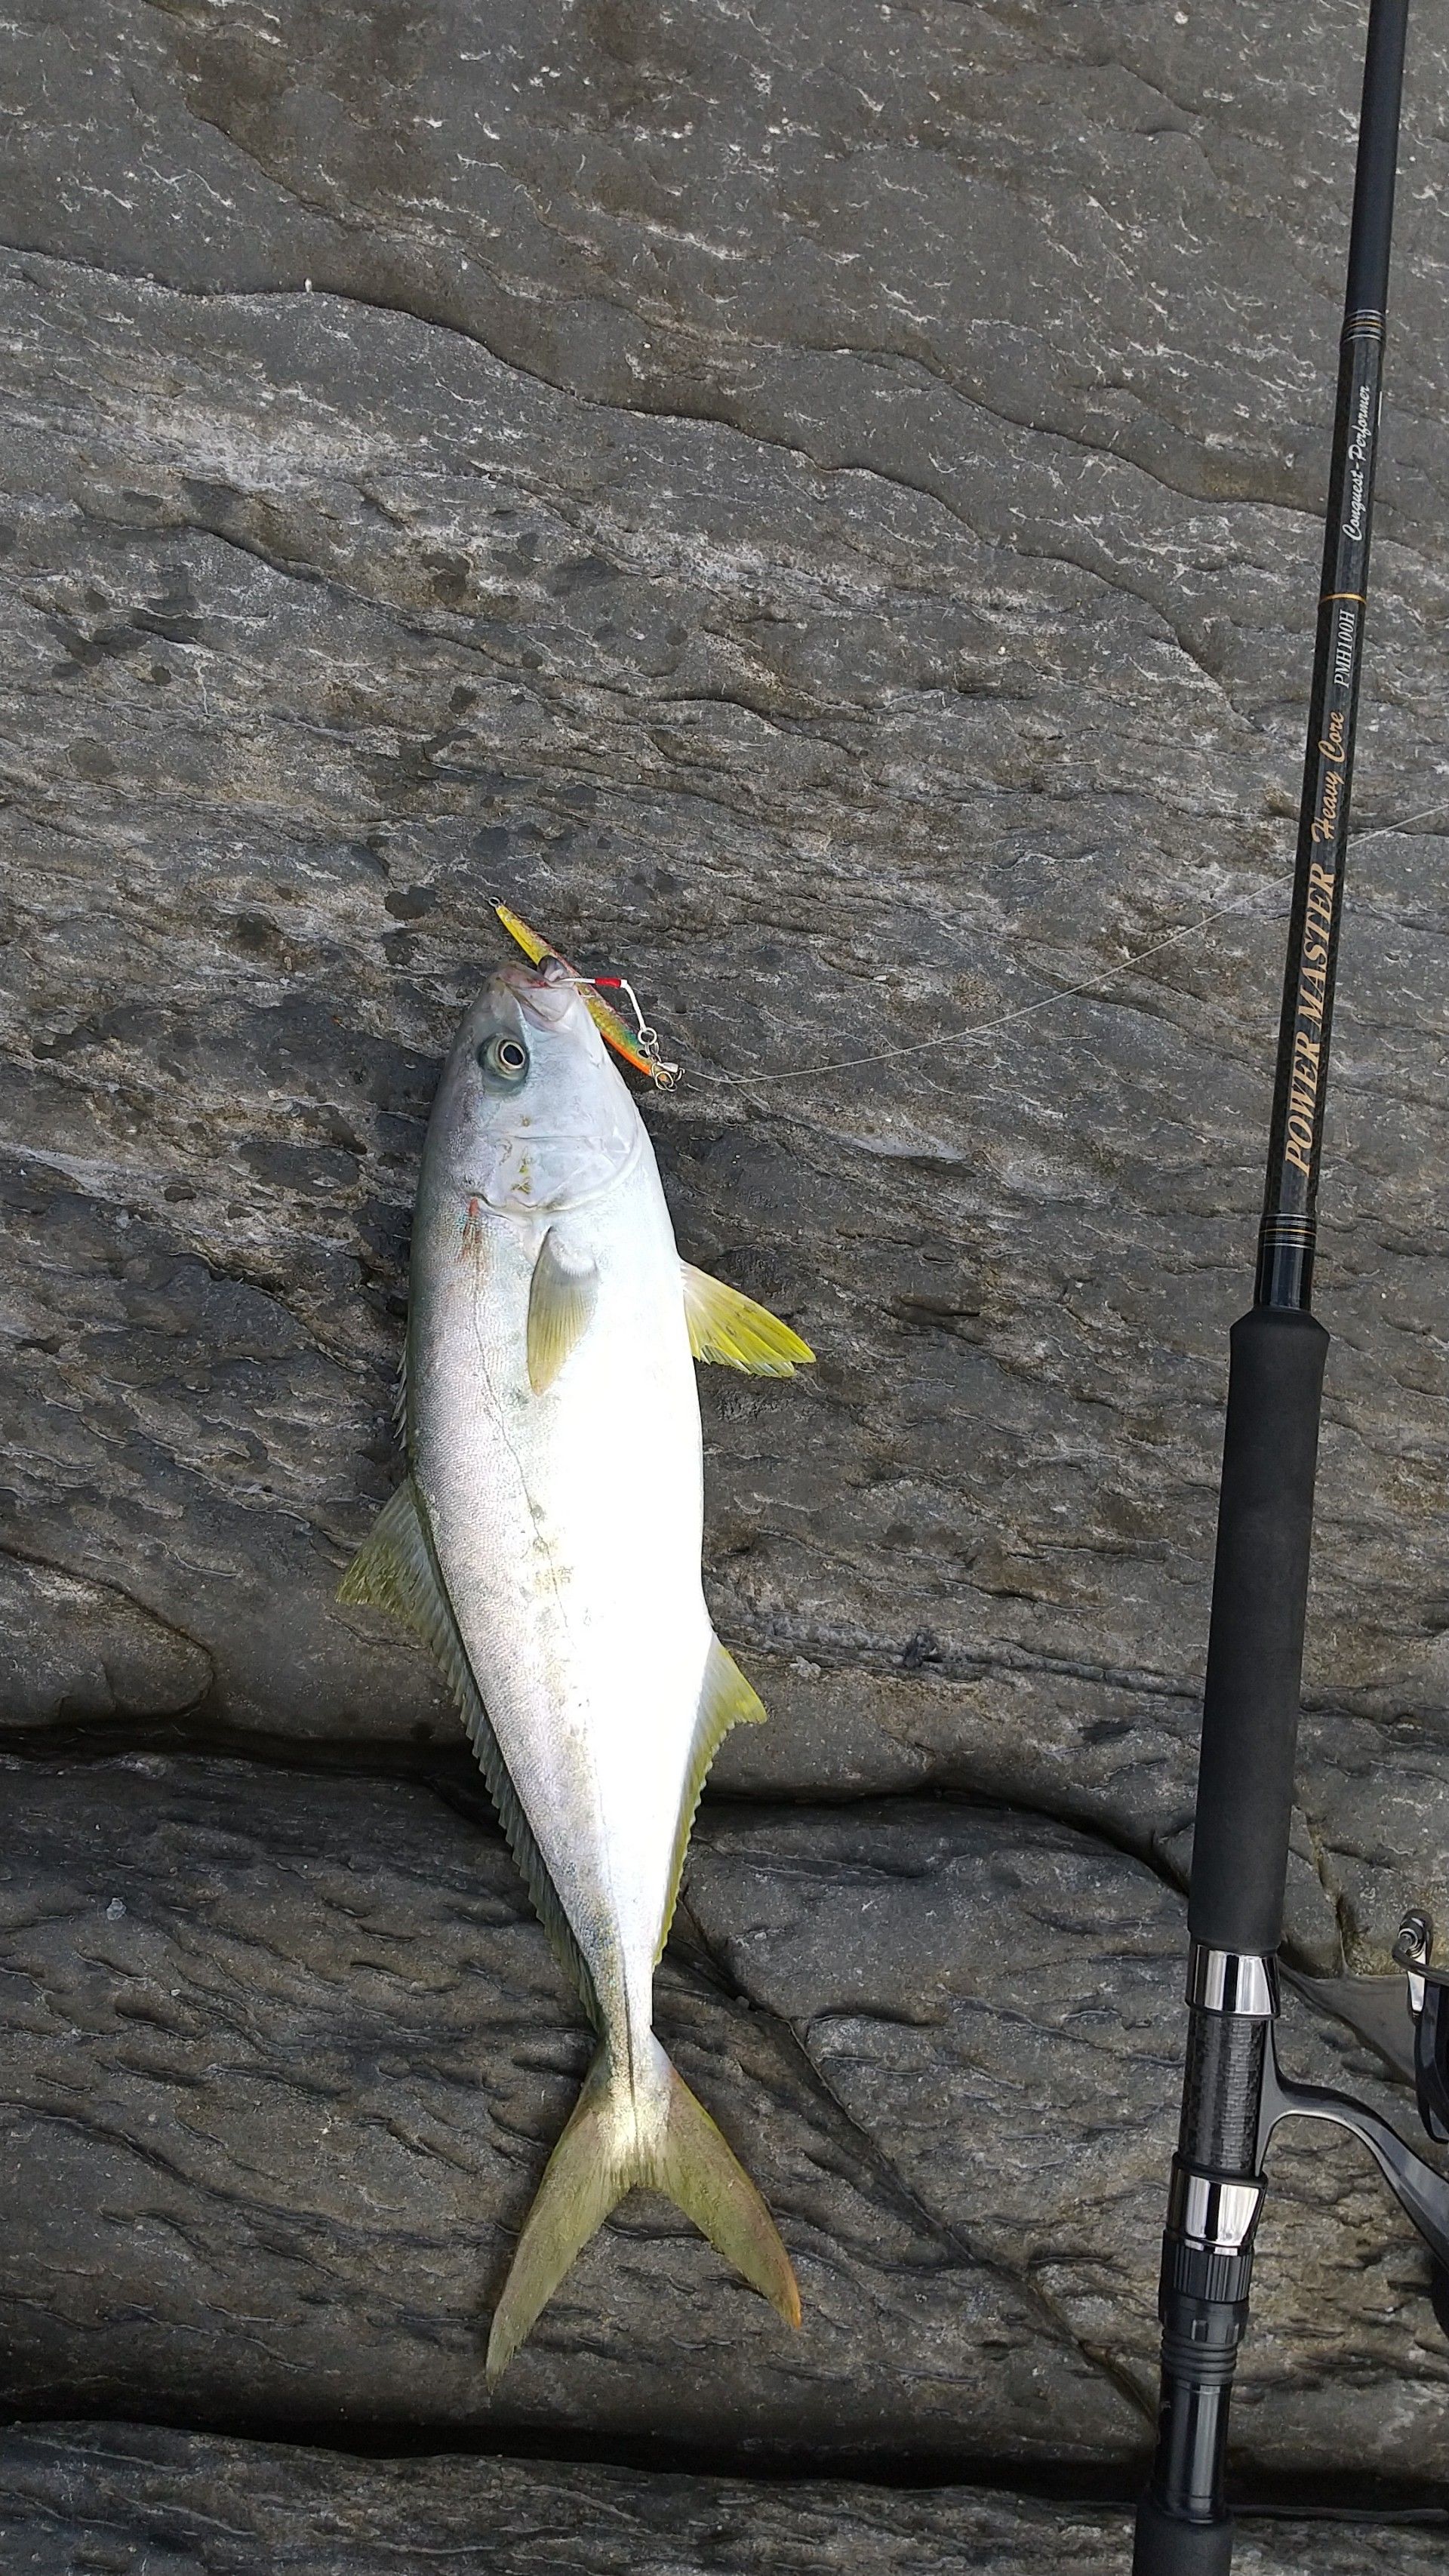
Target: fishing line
[[641, 1045], [1063, 993]]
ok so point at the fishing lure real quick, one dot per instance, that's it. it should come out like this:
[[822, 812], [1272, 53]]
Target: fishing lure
[[638, 1046]]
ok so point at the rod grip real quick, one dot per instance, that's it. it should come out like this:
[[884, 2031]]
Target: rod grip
[[1255, 1642], [1163, 2546]]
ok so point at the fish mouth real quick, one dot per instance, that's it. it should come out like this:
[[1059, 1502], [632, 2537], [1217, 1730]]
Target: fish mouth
[[544, 993]]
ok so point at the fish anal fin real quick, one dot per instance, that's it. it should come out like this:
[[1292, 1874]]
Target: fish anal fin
[[726, 1699], [732, 1330], [389, 1571], [562, 1296], [657, 2136], [396, 1569]]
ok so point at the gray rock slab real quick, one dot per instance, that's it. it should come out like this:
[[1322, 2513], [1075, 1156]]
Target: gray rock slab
[[997, 2006], [822, 517], [287, 2054], [128, 2500], [1123, 234], [78, 1652], [284, 2053]]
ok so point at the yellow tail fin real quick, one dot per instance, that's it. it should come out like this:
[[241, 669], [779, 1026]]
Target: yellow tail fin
[[625, 2134]]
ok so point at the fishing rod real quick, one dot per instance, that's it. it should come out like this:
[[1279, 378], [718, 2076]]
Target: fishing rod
[[1234, 2093]]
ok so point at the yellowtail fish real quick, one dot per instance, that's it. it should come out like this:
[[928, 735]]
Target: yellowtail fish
[[546, 1548]]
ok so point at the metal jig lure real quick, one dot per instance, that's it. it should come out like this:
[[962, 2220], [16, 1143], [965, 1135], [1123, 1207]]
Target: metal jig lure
[[638, 1046]]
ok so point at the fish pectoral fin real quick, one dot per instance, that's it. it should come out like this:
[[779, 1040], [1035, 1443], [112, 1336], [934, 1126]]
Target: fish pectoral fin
[[396, 1569], [561, 1300], [733, 1330], [664, 2140], [726, 1699]]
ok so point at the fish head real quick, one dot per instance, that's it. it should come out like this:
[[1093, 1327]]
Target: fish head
[[531, 1116]]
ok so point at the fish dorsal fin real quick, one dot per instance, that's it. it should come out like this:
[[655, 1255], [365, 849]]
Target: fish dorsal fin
[[561, 1299], [733, 1330], [726, 1699], [396, 1569]]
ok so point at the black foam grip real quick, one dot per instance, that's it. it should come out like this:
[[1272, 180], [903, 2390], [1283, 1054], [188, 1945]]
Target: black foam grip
[[1255, 1643], [1166, 2547]]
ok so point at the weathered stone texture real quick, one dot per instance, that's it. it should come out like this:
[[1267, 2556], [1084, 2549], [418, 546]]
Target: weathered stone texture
[[287, 2058], [827, 519], [819, 508], [284, 2054], [126, 2500]]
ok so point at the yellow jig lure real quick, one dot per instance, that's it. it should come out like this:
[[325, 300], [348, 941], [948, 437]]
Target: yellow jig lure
[[638, 1046]]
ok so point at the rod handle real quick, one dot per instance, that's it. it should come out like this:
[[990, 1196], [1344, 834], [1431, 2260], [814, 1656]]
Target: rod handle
[[1165, 2546], [1255, 1641]]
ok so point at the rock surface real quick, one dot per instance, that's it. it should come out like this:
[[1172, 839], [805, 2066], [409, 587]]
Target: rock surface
[[821, 512], [123, 2500], [283, 2055], [819, 509]]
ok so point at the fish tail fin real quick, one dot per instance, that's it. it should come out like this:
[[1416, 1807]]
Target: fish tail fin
[[703, 2176], [623, 2135], [587, 2175]]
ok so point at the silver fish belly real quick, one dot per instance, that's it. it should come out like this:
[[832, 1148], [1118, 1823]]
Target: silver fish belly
[[569, 1526]]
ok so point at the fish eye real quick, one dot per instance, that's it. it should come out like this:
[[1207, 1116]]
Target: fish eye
[[506, 1059]]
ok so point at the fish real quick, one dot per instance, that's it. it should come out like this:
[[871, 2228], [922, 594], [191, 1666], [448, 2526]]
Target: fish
[[545, 1547]]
